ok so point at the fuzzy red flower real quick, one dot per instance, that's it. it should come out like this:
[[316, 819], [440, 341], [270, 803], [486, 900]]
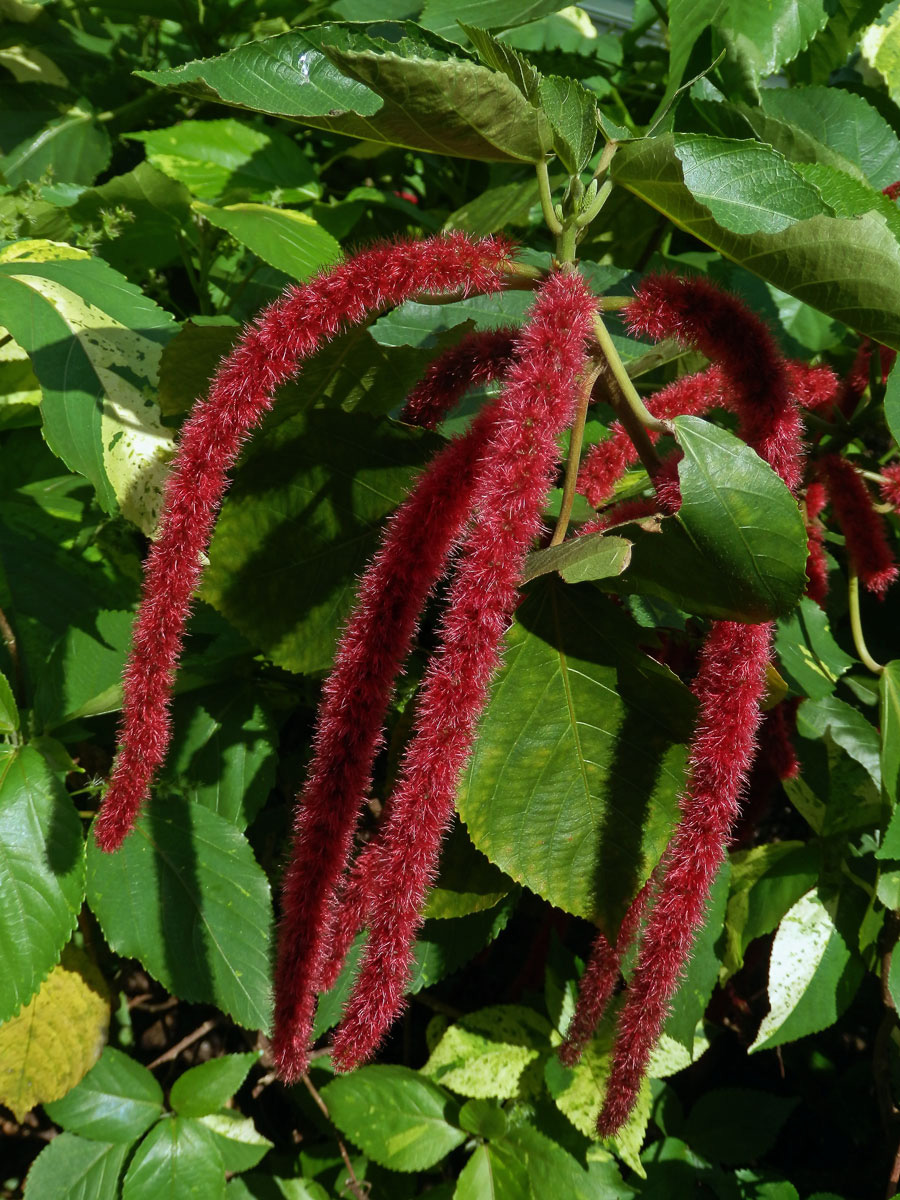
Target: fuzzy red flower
[[863, 528], [816, 564], [890, 490], [267, 354], [479, 358]]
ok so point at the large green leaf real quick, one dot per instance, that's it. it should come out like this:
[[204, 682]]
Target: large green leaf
[[116, 1101], [572, 112], [209, 1086], [396, 1116], [95, 343], [282, 237], [764, 38], [525, 1164], [214, 159], [812, 975], [468, 882], [848, 268], [847, 726], [573, 780], [495, 1052], [41, 873], [444, 16], [83, 675], [737, 1125], [177, 1159], [74, 1168], [832, 46], [73, 148], [809, 657], [185, 896], [299, 524], [737, 546]]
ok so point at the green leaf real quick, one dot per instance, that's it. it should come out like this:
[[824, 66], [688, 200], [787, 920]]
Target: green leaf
[[398, 1118], [881, 50], [73, 148], [57, 1037], [848, 196], [747, 187], [206, 1088], [41, 874], [525, 1164], [73, 1168], [766, 39], [116, 1101], [185, 896], [445, 16], [414, 324], [594, 556], [889, 686], [95, 343], [188, 363], [270, 1187], [484, 1117], [237, 1139], [223, 752], [848, 268], [843, 121], [9, 712], [497, 1052], [893, 979], [809, 657], [282, 237], [765, 882], [83, 675], [736, 548], [290, 541], [736, 1125], [504, 58], [813, 975], [833, 45], [847, 726], [892, 403], [177, 1159], [214, 159], [572, 112], [572, 784], [468, 882]]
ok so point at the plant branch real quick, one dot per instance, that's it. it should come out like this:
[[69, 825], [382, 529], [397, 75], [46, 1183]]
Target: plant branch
[[576, 438], [173, 1052], [630, 397], [856, 628], [358, 1189], [543, 177]]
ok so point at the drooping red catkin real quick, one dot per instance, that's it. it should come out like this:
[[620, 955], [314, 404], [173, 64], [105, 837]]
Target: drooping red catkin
[[267, 354], [601, 974], [413, 554], [697, 312], [816, 564], [538, 401], [480, 357], [863, 528], [729, 686], [890, 490]]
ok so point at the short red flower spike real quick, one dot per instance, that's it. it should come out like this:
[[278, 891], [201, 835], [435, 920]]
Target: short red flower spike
[[538, 401], [816, 564], [863, 528], [479, 358], [890, 487], [268, 354]]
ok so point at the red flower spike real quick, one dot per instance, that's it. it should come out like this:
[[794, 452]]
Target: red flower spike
[[241, 393], [479, 358], [892, 191], [890, 491], [729, 686], [863, 528], [538, 402], [758, 387], [816, 564], [413, 554], [812, 387], [600, 977]]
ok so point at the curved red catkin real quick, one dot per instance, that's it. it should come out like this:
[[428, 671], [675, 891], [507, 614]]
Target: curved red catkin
[[816, 563], [538, 402], [479, 358], [241, 393], [413, 554], [606, 462], [729, 686], [601, 974], [890, 487], [758, 387], [863, 528]]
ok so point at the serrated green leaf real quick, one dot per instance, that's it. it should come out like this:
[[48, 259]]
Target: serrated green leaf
[[270, 1187], [572, 112], [73, 147], [57, 1037], [214, 159], [594, 556], [736, 1125], [812, 975], [525, 1164], [396, 1116], [468, 882], [116, 1101], [809, 657], [889, 685], [832, 46], [289, 240], [185, 896], [289, 542], [207, 1087], [737, 547], [237, 1139], [9, 712], [847, 726], [73, 1168], [766, 39], [484, 1117], [414, 324], [41, 874], [849, 197], [881, 50], [83, 674], [555, 794], [95, 343], [747, 187], [446, 16], [177, 1159], [848, 268], [496, 54], [497, 1052]]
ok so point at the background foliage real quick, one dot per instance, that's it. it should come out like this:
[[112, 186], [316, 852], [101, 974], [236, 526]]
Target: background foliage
[[168, 167]]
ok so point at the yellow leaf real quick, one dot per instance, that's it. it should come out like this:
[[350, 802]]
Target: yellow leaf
[[57, 1037]]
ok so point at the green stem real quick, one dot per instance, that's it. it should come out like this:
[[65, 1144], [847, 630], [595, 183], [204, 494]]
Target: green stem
[[859, 640], [614, 303], [543, 176], [629, 392], [603, 194], [576, 439]]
